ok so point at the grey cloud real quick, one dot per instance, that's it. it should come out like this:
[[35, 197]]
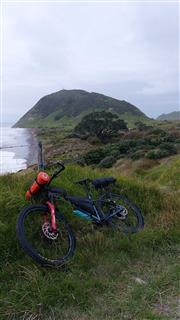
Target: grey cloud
[[129, 51]]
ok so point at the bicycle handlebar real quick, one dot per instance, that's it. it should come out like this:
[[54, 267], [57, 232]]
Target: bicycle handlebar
[[56, 173]]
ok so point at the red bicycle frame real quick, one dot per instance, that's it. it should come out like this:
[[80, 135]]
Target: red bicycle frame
[[53, 217]]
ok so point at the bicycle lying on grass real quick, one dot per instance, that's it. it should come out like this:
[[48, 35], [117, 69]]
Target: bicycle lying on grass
[[44, 232]]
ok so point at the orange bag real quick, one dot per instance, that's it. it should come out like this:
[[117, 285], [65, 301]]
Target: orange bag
[[42, 179]]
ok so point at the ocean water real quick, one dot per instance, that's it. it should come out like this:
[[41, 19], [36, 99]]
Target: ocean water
[[14, 148]]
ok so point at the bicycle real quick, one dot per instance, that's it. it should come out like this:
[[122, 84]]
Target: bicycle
[[45, 234]]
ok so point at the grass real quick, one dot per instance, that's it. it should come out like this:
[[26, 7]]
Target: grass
[[166, 175], [132, 119], [67, 123], [163, 174], [112, 276]]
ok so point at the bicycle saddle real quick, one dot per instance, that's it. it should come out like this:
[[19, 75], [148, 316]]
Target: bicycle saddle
[[103, 182]]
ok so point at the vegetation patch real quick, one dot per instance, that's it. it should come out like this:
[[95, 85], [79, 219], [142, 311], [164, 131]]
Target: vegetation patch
[[101, 281], [103, 125], [151, 143]]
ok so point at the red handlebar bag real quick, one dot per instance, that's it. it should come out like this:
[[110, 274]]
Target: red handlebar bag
[[42, 179]]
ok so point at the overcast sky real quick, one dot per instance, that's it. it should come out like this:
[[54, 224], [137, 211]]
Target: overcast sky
[[124, 50]]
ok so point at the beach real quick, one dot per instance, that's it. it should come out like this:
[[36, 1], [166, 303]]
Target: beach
[[18, 148]]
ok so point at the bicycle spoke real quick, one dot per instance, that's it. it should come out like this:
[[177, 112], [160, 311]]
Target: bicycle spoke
[[50, 248]]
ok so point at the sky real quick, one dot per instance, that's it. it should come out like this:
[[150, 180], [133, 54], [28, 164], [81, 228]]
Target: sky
[[128, 51]]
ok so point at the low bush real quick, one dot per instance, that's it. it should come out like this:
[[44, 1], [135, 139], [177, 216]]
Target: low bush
[[157, 154], [155, 144], [126, 145], [107, 162], [58, 116], [137, 154], [81, 162], [94, 140], [169, 147], [158, 132], [94, 156]]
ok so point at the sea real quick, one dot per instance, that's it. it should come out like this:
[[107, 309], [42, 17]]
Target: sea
[[15, 148]]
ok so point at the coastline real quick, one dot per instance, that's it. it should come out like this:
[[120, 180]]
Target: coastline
[[32, 140], [18, 149]]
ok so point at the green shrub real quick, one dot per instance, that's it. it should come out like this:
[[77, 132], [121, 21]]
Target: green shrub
[[93, 140], [152, 141], [169, 147], [126, 145], [95, 156], [172, 137], [141, 126], [107, 162], [81, 162], [157, 154], [158, 132], [155, 147], [58, 117], [102, 124], [115, 153], [137, 154]]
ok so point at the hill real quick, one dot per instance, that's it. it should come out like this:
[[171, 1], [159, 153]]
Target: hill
[[172, 116], [66, 108]]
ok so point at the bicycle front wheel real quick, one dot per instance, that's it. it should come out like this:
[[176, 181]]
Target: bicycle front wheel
[[39, 241], [121, 213]]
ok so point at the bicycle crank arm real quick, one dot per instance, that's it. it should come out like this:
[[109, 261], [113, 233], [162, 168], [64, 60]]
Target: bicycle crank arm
[[110, 216], [114, 214]]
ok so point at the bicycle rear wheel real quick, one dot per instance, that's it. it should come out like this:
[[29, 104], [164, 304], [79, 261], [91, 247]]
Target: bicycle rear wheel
[[126, 216], [39, 241]]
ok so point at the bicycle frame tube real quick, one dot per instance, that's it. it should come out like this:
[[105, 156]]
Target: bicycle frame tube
[[99, 216], [53, 218]]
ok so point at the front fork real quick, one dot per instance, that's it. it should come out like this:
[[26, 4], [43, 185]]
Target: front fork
[[53, 217]]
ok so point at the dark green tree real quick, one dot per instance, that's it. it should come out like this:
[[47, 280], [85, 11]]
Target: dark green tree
[[142, 126], [102, 124]]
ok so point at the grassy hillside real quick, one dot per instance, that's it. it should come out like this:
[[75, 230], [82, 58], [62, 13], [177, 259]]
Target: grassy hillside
[[166, 174], [112, 276], [66, 108], [172, 116]]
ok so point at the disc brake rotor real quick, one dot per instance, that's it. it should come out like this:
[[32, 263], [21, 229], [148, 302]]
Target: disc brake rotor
[[121, 212], [48, 233]]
